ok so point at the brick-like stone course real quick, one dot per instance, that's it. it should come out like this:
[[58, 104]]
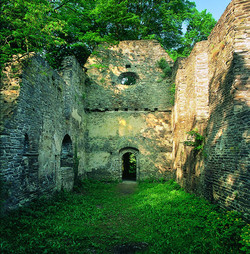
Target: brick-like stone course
[[35, 117], [221, 84]]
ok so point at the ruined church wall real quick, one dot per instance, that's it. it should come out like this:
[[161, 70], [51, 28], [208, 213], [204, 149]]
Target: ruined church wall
[[38, 108], [221, 172], [190, 112], [228, 147], [105, 67], [111, 132], [121, 116]]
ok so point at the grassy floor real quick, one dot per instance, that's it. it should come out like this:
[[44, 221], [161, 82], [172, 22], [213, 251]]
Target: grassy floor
[[157, 218]]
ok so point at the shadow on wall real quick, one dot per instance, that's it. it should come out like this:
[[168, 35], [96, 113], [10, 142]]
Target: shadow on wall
[[67, 164], [30, 169], [225, 171], [3, 195]]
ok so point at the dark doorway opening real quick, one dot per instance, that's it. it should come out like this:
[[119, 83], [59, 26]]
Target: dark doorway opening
[[129, 166]]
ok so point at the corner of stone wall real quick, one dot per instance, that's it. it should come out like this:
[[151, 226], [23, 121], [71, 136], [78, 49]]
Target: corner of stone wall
[[190, 113], [75, 97]]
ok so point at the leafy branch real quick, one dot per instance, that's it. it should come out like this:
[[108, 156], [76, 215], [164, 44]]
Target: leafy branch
[[197, 142]]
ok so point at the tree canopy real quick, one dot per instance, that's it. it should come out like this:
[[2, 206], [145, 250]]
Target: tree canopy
[[56, 28]]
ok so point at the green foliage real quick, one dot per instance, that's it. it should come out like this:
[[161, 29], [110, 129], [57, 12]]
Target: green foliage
[[164, 66], [97, 217], [132, 164], [199, 27], [66, 27], [83, 96], [172, 93], [225, 228], [102, 80], [245, 239], [99, 66], [198, 142], [28, 26]]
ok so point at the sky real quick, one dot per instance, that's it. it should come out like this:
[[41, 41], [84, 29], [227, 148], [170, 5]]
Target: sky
[[216, 7]]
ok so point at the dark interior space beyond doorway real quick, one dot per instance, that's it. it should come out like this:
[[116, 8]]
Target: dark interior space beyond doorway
[[129, 166]]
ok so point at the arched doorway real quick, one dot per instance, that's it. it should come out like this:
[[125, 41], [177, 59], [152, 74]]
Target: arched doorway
[[129, 166], [129, 163]]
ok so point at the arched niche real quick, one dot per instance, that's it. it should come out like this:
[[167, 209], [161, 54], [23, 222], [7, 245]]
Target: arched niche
[[67, 152], [67, 174], [29, 164], [128, 78], [26, 144], [129, 163]]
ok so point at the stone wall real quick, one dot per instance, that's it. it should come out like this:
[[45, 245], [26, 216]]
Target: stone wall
[[228, 149], [124, 116], [109, 133], [38, 109], [190, 112], [105, 90], [221, 172]]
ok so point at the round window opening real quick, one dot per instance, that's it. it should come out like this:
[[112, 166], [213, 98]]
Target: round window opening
[[128, 78]]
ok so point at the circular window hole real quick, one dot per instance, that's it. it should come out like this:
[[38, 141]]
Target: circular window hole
[[128, 78]]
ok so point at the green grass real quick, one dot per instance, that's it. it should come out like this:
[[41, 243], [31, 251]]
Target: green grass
[[97, 218]]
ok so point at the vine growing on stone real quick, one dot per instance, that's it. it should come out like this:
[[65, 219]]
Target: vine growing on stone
[[197, 140]]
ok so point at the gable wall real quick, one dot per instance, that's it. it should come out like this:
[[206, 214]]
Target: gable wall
[[128, 116]]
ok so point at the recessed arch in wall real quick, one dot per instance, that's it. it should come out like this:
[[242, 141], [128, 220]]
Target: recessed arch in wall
[[26, 144], [129, 163], [128, 78], [67, 152], [67, 174], [29, 163]]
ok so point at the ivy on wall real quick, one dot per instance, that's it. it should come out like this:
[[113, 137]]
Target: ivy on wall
[[197, 140]]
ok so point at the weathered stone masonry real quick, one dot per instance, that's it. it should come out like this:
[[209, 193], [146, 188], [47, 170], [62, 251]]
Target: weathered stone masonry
[[124, 116], [56, 125], [38, 110], [215, 78]]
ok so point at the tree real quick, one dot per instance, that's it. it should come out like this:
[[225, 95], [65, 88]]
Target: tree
[[56, 28], [199, 27], [28, 26]]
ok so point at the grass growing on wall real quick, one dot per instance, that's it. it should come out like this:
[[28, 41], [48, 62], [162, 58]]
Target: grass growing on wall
[[97, 219]]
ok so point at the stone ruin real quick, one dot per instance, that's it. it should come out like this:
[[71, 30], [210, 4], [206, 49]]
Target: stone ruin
[[58, 126]]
